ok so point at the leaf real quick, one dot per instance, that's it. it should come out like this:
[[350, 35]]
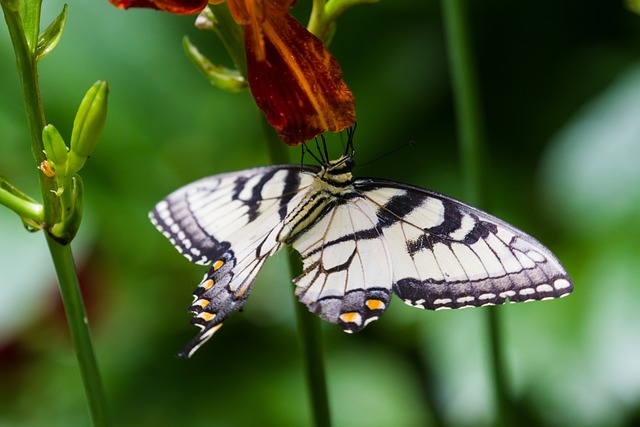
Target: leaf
[[49, 39], [221, 77], [30, 17]]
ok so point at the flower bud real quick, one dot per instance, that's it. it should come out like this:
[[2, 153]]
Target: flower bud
[[88, 125], [54, 146]]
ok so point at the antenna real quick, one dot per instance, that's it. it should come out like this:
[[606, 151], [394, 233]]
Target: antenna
[[388, 153]]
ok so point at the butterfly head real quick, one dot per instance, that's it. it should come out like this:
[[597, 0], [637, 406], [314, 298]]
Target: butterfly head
[[338, 172]]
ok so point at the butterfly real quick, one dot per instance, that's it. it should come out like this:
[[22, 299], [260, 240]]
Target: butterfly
[[361, 240]]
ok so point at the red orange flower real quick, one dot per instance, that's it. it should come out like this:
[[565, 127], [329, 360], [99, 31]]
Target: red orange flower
[[293, 77], [178, 7]]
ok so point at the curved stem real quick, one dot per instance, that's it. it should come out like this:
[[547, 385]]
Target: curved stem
[[316, 23], [471, 140], [24, 208]]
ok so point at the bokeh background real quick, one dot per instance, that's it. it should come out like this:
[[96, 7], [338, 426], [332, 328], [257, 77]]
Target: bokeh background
[[560, 86]]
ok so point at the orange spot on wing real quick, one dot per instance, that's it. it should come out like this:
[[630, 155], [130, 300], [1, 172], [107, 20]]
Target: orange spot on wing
[[207, 317], [351, 317], [375, 304], [207, 285], [202, 303]]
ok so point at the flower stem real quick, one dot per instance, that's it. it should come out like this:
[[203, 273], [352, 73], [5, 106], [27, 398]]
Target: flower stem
[[308, 324], [27, 70], [26, 62], [79, 328], [25, 208], [471, 140], [231, 35]]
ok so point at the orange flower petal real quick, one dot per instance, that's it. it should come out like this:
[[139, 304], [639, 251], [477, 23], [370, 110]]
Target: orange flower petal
[[298, 84], [253, 13], [246, 11], [178, 7]]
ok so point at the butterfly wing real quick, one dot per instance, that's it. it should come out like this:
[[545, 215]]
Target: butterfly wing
[[447, 254], [347, 272], [433, 251], [231, 223]]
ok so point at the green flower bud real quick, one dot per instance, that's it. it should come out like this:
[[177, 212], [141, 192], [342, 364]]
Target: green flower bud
[[88, 125], [54, 146]]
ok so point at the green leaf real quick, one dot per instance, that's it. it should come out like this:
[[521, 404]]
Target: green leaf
[[30, 17], [221, 77], [229, 33], [49, 39]]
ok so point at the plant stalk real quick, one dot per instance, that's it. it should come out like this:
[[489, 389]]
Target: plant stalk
[[79, 329], [471, 141], [61, 255], [24, 208]]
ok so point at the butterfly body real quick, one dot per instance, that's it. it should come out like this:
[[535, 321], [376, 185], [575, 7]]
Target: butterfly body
[[361, 240]]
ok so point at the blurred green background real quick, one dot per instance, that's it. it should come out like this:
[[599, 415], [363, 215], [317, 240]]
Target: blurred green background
[[560, 84]]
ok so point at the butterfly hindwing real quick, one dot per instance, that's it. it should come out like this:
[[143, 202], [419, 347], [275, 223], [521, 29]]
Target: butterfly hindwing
[[347, 270], [447, 254]]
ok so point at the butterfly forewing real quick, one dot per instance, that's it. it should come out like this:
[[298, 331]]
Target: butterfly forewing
[[231, 223], [451, 255]]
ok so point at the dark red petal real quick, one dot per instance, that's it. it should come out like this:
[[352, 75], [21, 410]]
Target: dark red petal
[[299, 83], [178, 7]]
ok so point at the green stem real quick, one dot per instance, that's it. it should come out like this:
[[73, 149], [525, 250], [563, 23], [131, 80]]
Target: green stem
[[24, 208], [312, 353], [465, 88], [61, 255], [231, 35], [79, 328], [308, 323], [317, 23], [27, 71], [324, 14], [471, 140]]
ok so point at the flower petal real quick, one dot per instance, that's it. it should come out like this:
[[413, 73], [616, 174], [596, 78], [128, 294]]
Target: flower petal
[[178, 7], [298, 84]]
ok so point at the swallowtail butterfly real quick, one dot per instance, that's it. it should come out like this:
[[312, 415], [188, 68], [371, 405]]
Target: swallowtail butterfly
[[361, 239]]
